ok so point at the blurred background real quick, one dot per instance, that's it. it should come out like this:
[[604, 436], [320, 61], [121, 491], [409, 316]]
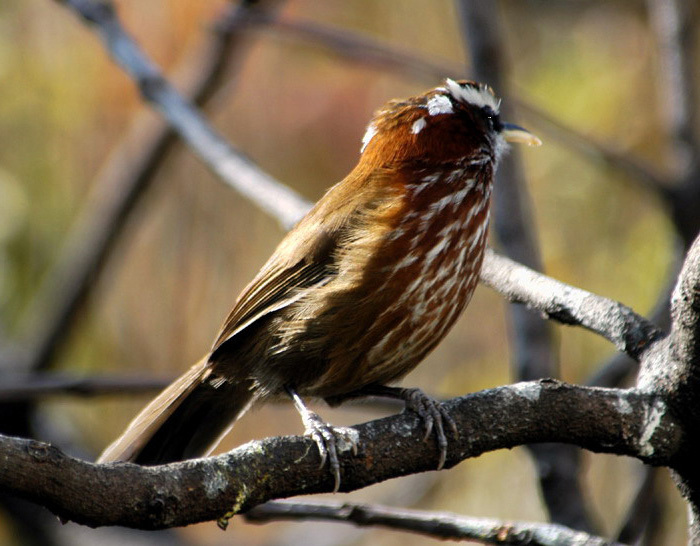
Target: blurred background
[[299, 110]]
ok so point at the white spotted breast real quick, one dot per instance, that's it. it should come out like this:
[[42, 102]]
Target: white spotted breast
[[440, 243]]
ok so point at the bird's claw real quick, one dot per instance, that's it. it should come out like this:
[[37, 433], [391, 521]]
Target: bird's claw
[[434, 415], [329, 439]]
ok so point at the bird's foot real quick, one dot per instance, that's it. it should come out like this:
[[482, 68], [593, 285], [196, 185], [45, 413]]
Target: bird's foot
[[434, 416], [330, 440]]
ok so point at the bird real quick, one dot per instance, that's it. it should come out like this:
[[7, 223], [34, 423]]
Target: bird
[[355, 296]]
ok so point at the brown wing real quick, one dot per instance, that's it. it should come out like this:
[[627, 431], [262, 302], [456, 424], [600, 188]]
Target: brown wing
[[304, 258], [274, 288]]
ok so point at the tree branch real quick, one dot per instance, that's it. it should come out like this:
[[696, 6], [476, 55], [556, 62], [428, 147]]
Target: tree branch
[[685, 314], [230, 165], [602, 420], [367, 51], [674, 24], [118, 187], [556, 300], [628, 331], [42, 385], [433, 524], [672, 368], [635, 169]]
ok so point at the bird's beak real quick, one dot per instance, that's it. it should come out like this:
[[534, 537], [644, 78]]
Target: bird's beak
[[515, 133]]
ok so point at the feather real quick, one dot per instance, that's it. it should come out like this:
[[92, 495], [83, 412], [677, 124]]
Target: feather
[[151, 418]]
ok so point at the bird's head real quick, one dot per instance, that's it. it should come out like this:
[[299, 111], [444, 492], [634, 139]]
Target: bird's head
[[455, 122]]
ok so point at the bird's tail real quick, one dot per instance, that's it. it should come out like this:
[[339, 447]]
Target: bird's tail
[[186, 420]]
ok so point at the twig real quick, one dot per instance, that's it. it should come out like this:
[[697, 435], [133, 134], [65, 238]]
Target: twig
[[434, 524], [636, 170], [673, 22], [355, 47], [620, 366], [675, 25], [352, 46], [230, 165], [34, 387], [116, 191], [42, 385], [628, 331], [631, 422]]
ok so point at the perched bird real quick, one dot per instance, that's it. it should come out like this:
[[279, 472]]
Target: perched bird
[[359, 292]]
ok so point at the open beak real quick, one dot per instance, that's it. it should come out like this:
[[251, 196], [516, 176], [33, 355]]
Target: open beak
[[515, 133]]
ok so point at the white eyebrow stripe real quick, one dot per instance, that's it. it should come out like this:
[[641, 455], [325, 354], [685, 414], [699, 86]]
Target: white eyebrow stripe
[[479, 97], [439, 104]]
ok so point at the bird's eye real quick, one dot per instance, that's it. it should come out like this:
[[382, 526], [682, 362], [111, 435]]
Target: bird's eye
[[492, 118]]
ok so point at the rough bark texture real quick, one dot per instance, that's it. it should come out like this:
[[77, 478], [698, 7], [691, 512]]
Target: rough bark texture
[[602, 420]]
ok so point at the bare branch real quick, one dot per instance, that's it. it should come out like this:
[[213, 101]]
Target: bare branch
[[604, 420], [230, 165], [118, 187], [354, 47], [620, 366], [685, 314], [674, 23], [36, 386], [637, 170], [675, 26], [433, 524], [43, 385], [367, 51], [628, 331], [672, 367]]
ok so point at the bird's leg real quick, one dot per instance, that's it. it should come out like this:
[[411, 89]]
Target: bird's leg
[[431, 411], [326, 436]]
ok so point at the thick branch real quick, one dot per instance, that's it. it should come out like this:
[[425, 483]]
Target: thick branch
[[685, 314], [433, 524], [614, 421], [672, 367], [630, 332]]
